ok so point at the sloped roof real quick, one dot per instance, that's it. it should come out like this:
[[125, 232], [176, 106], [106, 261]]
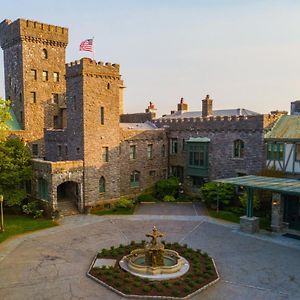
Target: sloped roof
[[198, 140], [286, 128], [282, 185], [216, 113], [138, 126]]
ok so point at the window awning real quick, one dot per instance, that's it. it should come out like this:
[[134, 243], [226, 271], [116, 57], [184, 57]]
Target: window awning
[[280, 185]]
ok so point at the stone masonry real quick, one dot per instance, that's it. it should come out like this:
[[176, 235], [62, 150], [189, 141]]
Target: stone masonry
[[72, 118]]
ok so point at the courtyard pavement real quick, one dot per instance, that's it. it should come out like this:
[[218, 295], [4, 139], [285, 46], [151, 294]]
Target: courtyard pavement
[[52, 264]]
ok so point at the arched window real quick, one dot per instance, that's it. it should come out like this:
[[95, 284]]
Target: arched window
[[238, 149], [45, 54], [135, 179], [108, 86], [102, 185]]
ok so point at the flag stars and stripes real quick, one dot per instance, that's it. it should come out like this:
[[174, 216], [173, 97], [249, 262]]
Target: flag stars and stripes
[[86, 45]]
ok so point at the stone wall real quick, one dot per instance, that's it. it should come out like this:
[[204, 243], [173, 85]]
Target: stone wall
[[157, 165], [137, 117]]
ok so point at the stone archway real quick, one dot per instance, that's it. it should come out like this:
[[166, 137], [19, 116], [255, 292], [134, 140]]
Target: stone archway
[[68, 197]]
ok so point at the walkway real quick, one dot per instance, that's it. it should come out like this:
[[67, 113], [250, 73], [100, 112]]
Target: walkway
[[51, 264]]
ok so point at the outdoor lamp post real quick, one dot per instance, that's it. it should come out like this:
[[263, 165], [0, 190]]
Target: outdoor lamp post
[[1, 208]]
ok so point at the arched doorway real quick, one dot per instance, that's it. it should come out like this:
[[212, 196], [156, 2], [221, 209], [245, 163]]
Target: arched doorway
[[68, 197]]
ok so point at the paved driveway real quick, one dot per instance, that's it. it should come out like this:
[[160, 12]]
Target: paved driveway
[[51, 264]]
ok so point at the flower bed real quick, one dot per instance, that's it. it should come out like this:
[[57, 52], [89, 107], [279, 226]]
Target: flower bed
[[201, 274]]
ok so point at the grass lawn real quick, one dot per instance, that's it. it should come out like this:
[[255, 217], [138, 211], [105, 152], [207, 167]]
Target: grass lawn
[[114, 211], [18, 224], [225, 215]]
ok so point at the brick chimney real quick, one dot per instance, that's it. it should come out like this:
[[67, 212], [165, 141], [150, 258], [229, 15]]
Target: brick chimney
[[182, 106], [207, 106], [151, 109]]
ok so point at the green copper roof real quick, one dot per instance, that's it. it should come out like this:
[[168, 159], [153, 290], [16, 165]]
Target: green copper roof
[[286, 128], [198, 140], [281, 185], [13, 124]]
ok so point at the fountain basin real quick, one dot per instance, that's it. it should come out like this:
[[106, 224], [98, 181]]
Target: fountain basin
[[174, 265]]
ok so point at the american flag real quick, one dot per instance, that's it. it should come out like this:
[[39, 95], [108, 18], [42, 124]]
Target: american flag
[[86, 45]]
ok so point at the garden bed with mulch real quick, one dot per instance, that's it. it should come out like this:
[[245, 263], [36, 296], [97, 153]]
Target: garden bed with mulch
[[202, 273]]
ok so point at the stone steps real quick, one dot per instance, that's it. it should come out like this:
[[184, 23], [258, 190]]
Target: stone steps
[[67, 208]]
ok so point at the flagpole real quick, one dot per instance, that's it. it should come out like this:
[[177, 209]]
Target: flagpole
[[93, 47]]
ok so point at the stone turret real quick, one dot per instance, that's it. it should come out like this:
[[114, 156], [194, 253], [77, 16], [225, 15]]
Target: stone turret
[[207, 109]]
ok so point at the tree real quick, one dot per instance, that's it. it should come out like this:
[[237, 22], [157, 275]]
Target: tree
[[4, 117], [213, 192], [15, 170]]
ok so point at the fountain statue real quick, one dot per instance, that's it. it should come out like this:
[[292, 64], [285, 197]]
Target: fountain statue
[[154, 261]]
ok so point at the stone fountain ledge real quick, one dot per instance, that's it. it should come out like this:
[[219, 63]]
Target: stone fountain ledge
[[131, 296]]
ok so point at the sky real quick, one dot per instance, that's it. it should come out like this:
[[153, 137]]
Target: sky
[[244, 54]]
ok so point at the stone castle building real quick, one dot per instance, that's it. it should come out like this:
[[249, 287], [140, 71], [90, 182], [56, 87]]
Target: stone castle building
[[86, 150]]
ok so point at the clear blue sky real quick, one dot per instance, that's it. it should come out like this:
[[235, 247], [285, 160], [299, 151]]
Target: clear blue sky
[[242, 53]]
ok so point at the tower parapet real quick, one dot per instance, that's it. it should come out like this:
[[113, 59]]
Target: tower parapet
[[27, 30], [90, 67]]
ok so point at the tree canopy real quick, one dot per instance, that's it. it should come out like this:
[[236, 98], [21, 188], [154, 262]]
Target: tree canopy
[[4, 117], [15, 170]]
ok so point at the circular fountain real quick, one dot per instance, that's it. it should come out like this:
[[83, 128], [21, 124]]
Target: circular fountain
[[154, 261]]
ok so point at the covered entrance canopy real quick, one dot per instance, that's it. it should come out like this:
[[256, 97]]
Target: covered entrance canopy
[[278, 186]]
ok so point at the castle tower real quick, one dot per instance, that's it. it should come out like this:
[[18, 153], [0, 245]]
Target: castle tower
[[151, 109], [34, 67], [182, 106], [207, 109], [93, 100]]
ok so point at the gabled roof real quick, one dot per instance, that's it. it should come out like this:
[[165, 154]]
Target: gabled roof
[[216, 113], [286, 128]]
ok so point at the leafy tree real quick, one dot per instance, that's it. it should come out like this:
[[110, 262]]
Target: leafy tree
[[167, 187], [211, 192], [15, 169], [4, 117]]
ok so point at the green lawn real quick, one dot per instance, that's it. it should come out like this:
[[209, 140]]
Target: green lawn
[[225, 215], [114, 211], [18, 224]]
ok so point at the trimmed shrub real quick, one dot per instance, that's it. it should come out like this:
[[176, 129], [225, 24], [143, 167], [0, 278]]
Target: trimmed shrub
[[168, 198], [166, 187], [124, 203]]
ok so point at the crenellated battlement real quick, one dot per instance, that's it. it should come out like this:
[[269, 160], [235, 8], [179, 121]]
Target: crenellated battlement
[[219, 123], [32, 31], [90, 67]]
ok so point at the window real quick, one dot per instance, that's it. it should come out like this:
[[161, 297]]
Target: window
[[78, 150], [135, 179], [43, 188], [45, 76], [55, 122], [197, 155], [150, 151], [20, 97], [108, 86], [33, 74], [66, 150], [163, 150], [183, 145], [102, 185], [105, 154], [56, 77], [44, 54], [55, 98], [9, 81], [132, 152], [33, 97], [21, 117], [35, 149], [275, 151], [152, 173], [164, 173], [297, 152], [238, 151], [59, 150], [102, 115], [174, 146]]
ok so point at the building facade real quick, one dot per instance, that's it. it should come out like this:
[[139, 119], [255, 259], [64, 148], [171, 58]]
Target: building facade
[[86, 151]]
